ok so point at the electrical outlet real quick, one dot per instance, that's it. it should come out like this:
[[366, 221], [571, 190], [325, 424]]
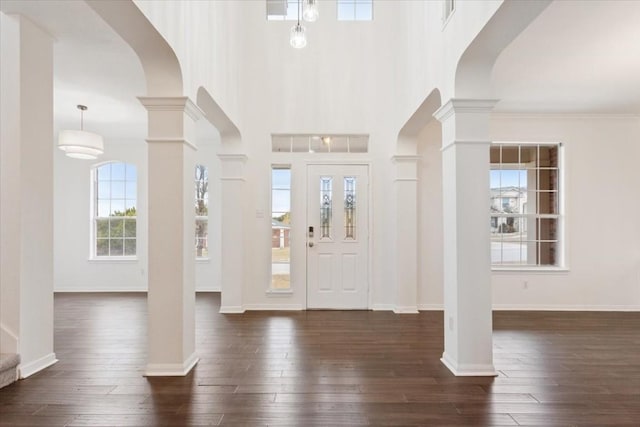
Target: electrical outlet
[[450, 323], [525, 284]]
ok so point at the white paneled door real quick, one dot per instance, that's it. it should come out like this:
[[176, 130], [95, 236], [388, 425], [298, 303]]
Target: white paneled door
[[337, 236]]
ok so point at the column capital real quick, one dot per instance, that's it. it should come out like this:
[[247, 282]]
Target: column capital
[[405, 158], [457, 105], [172, 103]]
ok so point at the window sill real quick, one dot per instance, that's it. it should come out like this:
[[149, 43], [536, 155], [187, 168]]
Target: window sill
[[279, 292], [203, 260], [115, 260], [534, 270]]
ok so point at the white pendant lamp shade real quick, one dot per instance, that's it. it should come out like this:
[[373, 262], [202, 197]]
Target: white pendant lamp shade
[[80, 144], [298, 37], [310, 11]]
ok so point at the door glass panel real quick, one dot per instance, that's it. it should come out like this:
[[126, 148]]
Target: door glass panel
[[325, 207], [350, 207]]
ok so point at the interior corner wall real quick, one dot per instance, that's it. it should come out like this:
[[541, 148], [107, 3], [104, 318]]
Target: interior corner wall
[[602, 231], [430, 221]]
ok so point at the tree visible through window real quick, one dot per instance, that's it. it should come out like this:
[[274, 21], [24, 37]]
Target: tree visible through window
[[202, 211], [114, 223], [525, 204]]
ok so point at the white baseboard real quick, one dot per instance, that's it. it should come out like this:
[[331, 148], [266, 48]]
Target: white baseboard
[[382, 307], [430, 307], [274, 307], [171, 369], [206, 289], [99, 290], [539, 307], [406, 309], [25, 370], [231, 309], [467, 369]]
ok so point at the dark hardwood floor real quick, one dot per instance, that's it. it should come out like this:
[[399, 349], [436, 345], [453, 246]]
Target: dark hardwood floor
[[330, 368]]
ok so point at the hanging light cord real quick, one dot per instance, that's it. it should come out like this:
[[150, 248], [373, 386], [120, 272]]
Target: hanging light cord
[[82, 109]]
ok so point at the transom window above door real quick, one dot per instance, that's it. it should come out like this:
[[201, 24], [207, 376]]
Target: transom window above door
[[285, 143]]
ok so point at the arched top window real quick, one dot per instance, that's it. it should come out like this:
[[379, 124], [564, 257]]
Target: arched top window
[[114, 210]]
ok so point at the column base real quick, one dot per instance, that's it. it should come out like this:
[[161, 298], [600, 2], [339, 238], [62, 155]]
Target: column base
[[231, 309], [406, 309], [468, 369], [171, 369]]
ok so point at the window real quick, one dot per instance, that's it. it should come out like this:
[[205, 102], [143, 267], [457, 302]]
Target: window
[[114, 217], [282, 10], [447, 9], [525, 204], [355, 10], [280, 227], [319, 144], [202, 211]]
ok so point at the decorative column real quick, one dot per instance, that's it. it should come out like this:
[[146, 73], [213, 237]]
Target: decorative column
[[232, 220], [26, 189], [468, 344], [406, 186], [171, 295]]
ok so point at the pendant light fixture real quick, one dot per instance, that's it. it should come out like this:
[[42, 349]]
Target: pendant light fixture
[[298, 38], [310, 10], [80, 144]]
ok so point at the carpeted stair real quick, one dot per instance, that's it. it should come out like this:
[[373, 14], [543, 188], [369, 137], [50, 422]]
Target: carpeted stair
[[8, 368]]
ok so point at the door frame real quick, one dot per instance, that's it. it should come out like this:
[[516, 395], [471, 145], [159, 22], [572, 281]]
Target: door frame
[[369, 249]]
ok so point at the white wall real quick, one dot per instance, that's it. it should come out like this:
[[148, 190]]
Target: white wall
[[602, 198], [73, 268], [430, 222]]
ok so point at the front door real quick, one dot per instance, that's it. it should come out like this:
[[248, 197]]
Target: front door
[[337, 236]]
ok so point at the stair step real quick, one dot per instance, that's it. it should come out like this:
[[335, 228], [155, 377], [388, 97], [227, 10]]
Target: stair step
[[8, 368]]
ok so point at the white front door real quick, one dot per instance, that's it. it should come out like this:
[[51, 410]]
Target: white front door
[[337, 253]]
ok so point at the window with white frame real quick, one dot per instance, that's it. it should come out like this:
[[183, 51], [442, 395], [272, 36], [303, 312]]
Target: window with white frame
[[282, 10], [114, 211], [202, 211], [525, 205], [280, 227], [355, 10]]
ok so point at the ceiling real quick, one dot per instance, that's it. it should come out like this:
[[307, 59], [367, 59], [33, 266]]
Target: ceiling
[[577, 56], [92, 66]]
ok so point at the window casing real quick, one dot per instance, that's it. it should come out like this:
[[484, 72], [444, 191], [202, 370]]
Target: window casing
[[448, 6], [114, 222], [525, 193], [355, 10], [280, 227], [201, 185], [282, 10]]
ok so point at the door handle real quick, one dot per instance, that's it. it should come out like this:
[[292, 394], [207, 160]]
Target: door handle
[[310, 244]]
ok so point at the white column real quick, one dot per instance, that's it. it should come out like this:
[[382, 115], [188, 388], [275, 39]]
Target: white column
[[26, 207], [468, 348], [233, 236], [171, 297], [406, 186]]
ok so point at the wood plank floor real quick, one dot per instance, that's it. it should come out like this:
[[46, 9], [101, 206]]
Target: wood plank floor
[[330, 368]]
